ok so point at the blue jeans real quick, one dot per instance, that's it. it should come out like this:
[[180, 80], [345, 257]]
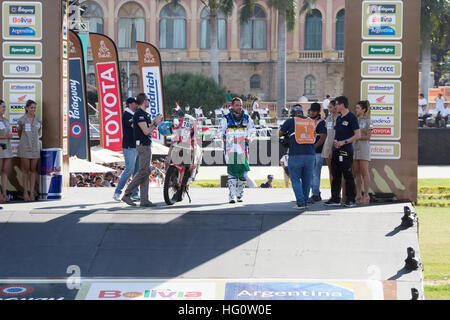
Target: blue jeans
[[315, 186], [131, 167], [301, 172]]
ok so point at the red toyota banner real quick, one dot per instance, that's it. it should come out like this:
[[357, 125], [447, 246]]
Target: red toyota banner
[[104, 53]]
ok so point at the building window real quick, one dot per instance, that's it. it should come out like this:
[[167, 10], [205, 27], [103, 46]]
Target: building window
[[255, 82], [172, 28], [131, 26], [205, 41], [340, 22], [253, 33], [310, 86], [91, 79], [313, 30], [93, 16], [134, 84]]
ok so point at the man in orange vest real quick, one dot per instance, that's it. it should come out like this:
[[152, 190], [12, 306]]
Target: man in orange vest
[[302, 136]]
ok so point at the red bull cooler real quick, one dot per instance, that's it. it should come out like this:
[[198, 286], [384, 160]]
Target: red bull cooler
[[50, 172]]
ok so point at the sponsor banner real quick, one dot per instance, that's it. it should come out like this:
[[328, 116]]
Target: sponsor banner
[[385, 150], [22, 69], [381, 98], [385, 104], [288, 291], [381, 69], [384, 109], [16, 92], [78, 135], [104, 53], [151, 81], [22, 50], [382, 121], [382, 20], [36, 291], [382, 50], [152, 291], [22, 20], [78, 114]]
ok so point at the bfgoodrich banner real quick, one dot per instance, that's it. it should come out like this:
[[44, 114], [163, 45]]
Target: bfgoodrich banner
[[78, 122], [104, 53], [151, 81]]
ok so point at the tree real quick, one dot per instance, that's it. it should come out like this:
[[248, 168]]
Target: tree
[[434, 21], [194, 90], [287, 13], [214, 6]]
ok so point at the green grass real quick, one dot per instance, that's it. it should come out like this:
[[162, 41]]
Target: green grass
[[441, 292]]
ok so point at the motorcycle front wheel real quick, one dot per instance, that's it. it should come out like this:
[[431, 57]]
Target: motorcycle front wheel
[[171, 188]]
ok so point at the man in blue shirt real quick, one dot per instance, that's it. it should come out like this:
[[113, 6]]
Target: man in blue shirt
[[347, 131], [302, 135], [129, 150], [321, 131]]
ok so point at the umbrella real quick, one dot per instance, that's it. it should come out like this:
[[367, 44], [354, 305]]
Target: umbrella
[[101, 155], [81, 166]]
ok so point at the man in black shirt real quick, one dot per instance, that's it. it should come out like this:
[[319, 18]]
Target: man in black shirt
[[321, 131], [347, 131], [143, 127], [129, 150], [267, 184]]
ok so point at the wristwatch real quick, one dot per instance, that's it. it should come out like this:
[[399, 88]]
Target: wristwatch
[[345, 141]]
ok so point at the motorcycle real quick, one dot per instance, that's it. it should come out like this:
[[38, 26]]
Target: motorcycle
[[183, 160]]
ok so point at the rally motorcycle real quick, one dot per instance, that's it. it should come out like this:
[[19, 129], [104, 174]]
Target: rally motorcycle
[[183, 160]]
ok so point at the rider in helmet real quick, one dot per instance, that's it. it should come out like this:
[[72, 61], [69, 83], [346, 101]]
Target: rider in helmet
[[296, 111]]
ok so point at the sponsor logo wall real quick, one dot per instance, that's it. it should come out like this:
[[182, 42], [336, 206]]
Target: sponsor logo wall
[[382, 27], [22, 30]]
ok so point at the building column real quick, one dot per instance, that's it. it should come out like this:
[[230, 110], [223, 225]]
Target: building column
[[194, 51], [234, 50], [329, 26], [111, 20], [152, 23]]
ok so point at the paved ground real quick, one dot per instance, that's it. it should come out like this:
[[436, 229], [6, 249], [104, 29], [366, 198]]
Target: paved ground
[[209, 239]]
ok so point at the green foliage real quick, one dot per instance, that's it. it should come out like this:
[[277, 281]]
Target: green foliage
[[194, 90]]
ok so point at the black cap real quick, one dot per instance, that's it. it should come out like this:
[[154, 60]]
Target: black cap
[[315, 107], [131, 100], [270, 176]]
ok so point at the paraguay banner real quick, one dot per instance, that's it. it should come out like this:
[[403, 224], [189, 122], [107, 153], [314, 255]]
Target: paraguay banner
[[104, 53], [78, 121], [151, 81]]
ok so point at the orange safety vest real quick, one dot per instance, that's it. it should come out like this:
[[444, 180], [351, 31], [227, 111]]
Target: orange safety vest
[[305, 130]]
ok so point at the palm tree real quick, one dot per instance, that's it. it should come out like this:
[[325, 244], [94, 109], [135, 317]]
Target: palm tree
[[214, 7], [287, 13], [434, 14]]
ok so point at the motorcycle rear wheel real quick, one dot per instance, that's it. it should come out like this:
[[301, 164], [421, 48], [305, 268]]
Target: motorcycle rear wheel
[[171, 189]]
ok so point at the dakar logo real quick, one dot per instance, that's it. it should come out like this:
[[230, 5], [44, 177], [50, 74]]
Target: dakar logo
[[148, 57], [103, 51]]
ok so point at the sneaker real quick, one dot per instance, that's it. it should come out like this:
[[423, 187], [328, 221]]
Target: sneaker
[[127, 200], [147, 204], [239, 200], [300, 207], [135, 198], [349, 204], [332, 203], [317, 198], [232, 201], [116, 196]]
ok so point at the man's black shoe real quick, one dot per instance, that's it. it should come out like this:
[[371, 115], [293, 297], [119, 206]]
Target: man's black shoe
[[239, 200], [332, 203], [316, 198], [349, 204], [232, 201], [127, 200]]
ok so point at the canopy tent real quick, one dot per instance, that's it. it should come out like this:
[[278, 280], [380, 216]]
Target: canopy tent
[[101, 155], [81, 166]]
